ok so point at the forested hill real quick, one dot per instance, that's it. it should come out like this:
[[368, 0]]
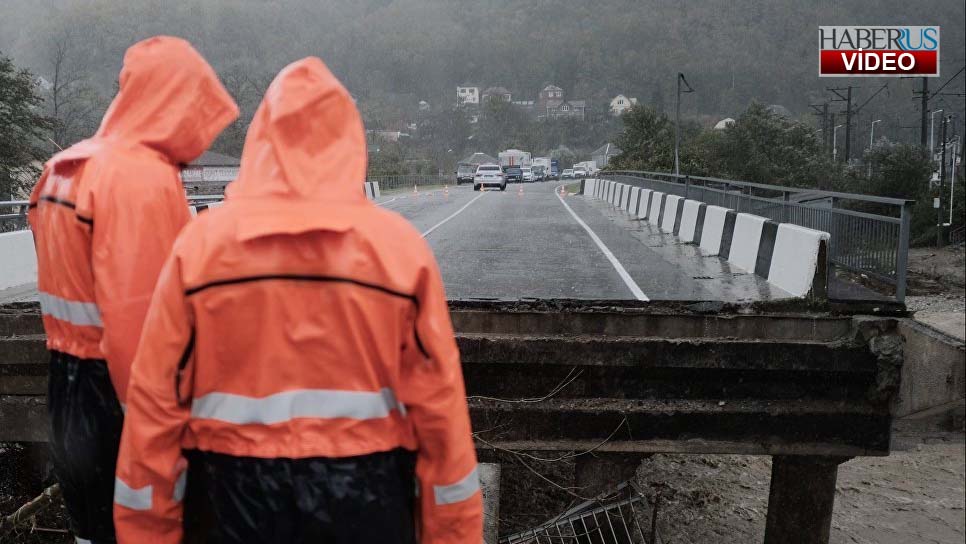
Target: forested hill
[[400, 51]]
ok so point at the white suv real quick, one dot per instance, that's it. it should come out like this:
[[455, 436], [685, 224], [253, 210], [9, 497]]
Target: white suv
[[527, 173], [489, 175]]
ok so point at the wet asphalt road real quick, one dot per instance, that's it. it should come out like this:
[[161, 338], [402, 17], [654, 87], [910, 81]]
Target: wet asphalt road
[[527, 242], [530, 242]]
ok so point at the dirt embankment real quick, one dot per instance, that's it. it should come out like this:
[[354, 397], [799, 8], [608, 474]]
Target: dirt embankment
[[912, 496]]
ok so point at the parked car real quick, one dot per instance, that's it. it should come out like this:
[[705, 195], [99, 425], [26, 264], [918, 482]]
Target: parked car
[[513, 173], [465, 173], [580, 173], [489, 175], [567, 174], [527, 173]]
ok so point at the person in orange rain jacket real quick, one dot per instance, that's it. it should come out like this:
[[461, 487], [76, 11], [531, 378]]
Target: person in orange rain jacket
[[105, 215], [299, 346]]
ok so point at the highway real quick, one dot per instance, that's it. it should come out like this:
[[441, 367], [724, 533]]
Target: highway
[[533, 242]]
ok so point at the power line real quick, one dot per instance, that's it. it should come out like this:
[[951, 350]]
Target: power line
[[941, 87]]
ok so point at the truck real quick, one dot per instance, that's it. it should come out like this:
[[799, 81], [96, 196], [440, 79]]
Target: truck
[[544, 164], [590, 167], [514, 157]]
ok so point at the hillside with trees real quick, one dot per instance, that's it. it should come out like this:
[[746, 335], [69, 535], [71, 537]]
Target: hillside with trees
[[391, 54]]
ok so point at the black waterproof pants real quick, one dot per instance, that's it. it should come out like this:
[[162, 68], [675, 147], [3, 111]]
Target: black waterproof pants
[[85, 432], [365, 499]]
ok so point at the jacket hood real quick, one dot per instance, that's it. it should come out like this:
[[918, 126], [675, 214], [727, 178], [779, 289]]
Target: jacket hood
[[306, 141], [170, 100]]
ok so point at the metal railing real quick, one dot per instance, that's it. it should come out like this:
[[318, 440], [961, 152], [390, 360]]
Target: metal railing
[[403, 181], [13, 215], [614, 520], [869, 234]]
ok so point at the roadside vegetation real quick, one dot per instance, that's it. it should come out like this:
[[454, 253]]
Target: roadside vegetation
[[764, 147]]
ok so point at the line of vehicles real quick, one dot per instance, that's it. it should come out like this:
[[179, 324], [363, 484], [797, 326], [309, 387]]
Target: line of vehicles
[[514, 165]]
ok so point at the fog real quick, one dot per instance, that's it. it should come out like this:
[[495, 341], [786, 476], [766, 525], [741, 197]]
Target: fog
[[392, 54]]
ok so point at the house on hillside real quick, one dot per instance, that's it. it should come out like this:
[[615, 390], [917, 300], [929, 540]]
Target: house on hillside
[[497, 93], [620, 103], [211, 168], [548, 93], [467, 94], [604, 154], [559, 109]]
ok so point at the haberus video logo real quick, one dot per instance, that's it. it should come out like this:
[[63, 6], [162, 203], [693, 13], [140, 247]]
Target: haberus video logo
[[878, 51]]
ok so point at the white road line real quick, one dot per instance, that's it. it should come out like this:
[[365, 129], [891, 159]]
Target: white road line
[[459, 211], [387, 201], [621, 271]]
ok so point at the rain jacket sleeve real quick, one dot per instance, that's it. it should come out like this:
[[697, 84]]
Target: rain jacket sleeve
[[150, 483], [450, 504], [135, 223]]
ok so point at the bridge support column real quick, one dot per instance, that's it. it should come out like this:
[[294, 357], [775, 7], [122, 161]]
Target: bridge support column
[[490, 485], [597, 473], [801, 499]]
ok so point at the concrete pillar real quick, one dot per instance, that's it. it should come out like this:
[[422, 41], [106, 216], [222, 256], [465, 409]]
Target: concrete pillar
[[596, 473], [801, 499], [490, 485]]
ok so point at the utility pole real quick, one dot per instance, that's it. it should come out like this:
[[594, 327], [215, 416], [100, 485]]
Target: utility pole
[[952, 177], [677, 124], [871, 142], [925, 110], [821, 111], [848, 127], [942, 188], [848, 117], [835, 140], [831, 141], [932, 135]]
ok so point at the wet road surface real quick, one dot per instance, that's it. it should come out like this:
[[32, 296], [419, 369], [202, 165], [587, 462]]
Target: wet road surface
[[531, 242]]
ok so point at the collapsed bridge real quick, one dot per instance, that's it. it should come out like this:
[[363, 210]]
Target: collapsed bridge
[[808, 386]]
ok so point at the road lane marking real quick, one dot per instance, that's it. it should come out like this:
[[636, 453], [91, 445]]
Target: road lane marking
[[459, 211], [387, 202], [621, 271]]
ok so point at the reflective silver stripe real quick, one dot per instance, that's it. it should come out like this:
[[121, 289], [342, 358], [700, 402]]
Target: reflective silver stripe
[[79, 540], [300, 403], [71, 311], [179, 486], [129, 497], [460, 491]]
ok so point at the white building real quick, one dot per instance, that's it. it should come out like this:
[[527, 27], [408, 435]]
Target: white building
[[724, 123], [620, 103], [467, 94]]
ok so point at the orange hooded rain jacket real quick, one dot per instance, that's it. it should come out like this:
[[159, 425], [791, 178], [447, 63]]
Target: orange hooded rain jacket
[[298, 320], [107, 210]]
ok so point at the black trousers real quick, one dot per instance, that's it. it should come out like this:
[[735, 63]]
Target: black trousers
[[364, 499], [85, 432]]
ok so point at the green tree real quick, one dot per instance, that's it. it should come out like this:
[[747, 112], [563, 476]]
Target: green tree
[[647, 141], [767, 148], [23, 128]]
